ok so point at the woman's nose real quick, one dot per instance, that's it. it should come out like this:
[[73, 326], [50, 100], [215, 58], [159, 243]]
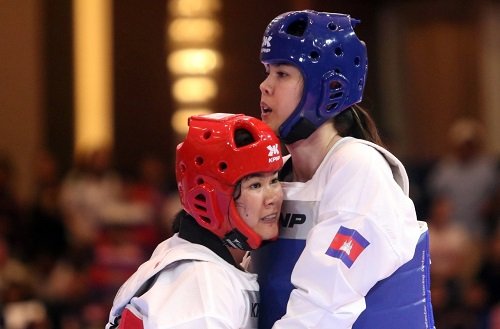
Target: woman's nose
[[265, 87], [273, 194]]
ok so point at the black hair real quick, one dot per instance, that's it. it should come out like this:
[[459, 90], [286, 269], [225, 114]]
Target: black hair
[[243, 137], [298, 27], [176, 222], [357, 122]]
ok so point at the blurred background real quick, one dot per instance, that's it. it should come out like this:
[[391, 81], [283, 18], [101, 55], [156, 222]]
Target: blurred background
[[95, 95]]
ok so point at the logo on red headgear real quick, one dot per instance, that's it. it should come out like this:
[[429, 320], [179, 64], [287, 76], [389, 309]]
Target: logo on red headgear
[[274, 153]]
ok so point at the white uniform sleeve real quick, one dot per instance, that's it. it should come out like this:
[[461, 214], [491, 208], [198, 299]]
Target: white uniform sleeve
[[362, 197]]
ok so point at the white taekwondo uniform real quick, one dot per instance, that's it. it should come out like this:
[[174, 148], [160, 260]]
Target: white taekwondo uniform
[[343, 232], [191, 287]]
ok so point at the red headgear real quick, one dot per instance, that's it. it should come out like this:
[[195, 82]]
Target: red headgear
[[209, 165]]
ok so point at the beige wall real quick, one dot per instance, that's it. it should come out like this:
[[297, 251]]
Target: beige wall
[[20, 87], [490, 71], [438, 63]]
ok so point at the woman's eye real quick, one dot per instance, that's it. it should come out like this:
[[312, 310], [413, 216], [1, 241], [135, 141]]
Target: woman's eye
[[255, 185], [275, 181]]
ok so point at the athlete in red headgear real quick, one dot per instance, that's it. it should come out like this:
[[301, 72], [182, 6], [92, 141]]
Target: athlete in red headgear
[[226, 172]]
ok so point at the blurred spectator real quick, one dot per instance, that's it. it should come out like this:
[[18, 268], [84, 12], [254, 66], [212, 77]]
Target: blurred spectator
[[47, 241], [494, 219], [466, 175], [88, 191], [20, 307], [473, 312], [149, 190], [454, 255], [494, 318], [117, 254], [454, 259], [125, 241], [112, 225], [10, 211], [65, 291], [489, 273]]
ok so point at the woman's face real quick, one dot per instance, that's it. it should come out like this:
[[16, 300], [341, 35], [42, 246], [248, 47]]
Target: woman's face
[[259, 203], [281, 92]]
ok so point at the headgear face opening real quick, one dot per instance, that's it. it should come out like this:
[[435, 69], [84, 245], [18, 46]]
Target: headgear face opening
[[331, 58], [209, 165]]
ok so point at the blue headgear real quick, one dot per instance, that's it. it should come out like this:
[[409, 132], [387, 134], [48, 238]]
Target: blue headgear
[[331, 58]]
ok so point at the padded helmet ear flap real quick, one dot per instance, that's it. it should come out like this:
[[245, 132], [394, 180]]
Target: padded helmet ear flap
[[201, 200], [334, 94]]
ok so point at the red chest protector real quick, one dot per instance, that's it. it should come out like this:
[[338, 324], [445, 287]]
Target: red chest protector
[[130, 321]]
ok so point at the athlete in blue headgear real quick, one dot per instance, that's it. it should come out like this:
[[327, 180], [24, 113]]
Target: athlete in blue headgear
[[351, 252]]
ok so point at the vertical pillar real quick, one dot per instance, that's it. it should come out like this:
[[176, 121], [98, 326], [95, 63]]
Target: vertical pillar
[[93, 68], [490, 72]]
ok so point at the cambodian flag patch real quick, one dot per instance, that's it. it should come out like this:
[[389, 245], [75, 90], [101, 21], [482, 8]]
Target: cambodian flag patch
[[347, 245]]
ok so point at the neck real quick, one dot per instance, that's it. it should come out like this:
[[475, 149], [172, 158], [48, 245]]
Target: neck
[[237, 254], [307, 154]]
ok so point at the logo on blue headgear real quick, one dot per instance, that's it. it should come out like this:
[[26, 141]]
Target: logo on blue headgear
[[266, 44], [331, 58]]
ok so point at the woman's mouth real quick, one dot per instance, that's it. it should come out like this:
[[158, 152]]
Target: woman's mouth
[[271, 218], [264, 109]]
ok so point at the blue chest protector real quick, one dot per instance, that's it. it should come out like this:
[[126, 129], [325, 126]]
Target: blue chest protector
[[399, 301]]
